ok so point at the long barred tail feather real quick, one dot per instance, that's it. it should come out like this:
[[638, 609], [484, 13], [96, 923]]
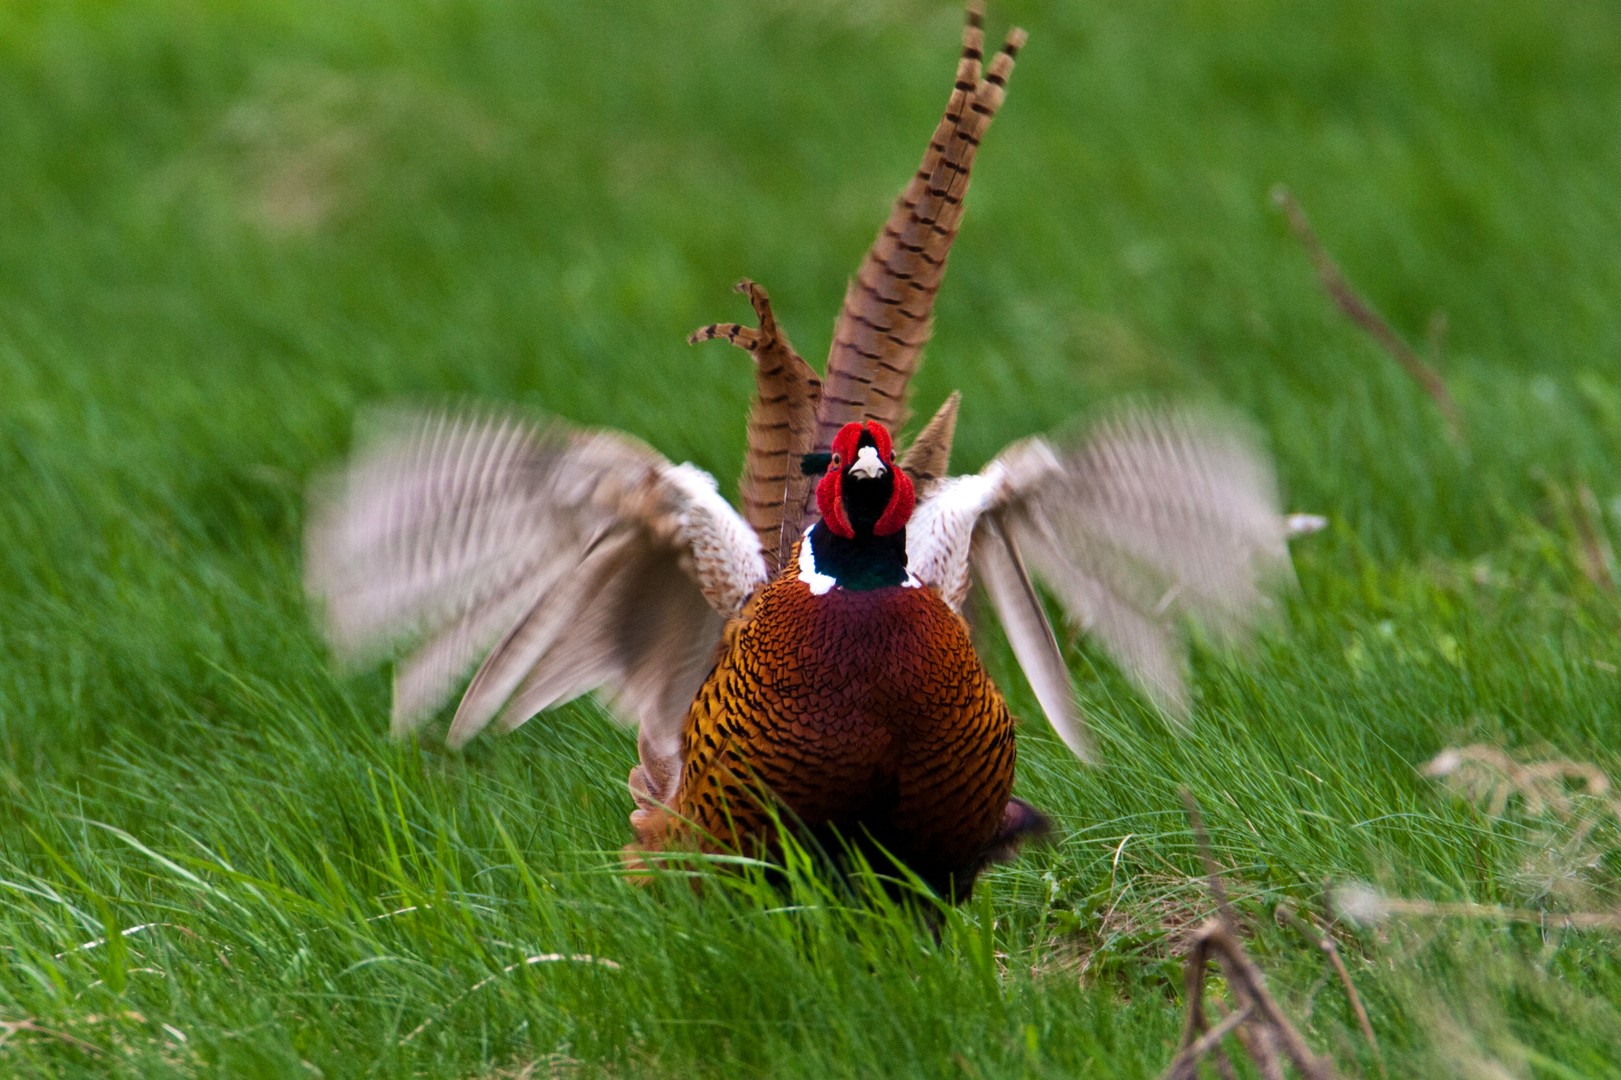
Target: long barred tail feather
[[782, 424], [888, 307]]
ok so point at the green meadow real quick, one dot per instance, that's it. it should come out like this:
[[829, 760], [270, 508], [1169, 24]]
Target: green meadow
[[228, 228]]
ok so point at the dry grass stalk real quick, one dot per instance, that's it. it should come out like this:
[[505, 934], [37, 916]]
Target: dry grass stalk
[[1364, 904], [1597, 557], [1570, 809], [1577, 518], [1319, 933], [1258, 1022], [10, 1028], [1362, 313], [1490, 777], [551, 1067]]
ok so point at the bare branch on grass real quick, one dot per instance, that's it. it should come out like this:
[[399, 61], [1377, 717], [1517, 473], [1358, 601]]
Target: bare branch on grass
[[1322, 936], [1213, 1037], [1359, 311], [1597, 555], [10, 1028], [1257, 1020], [1491, 777], [1575, 797]]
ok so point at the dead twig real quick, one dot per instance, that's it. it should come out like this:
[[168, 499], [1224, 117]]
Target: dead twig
[[1360, 312], [1187, 1061], [1491, 777], [1321, 935], [1267, 1035], [9, 1028], [1597, 556]]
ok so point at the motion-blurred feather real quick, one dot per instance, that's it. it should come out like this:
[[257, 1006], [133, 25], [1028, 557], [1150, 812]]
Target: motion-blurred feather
[[480, 535]]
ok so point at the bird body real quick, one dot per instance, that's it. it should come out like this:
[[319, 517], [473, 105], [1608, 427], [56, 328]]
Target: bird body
[[862, 712], [806, 659], [848, 699]]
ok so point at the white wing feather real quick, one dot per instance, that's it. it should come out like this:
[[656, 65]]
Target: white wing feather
[[568, 560], [1155, 517]]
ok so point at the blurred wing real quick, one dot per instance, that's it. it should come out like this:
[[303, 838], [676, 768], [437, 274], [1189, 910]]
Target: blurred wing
[[1001, 571], [1153, 518], [568, 560], [888, 308]]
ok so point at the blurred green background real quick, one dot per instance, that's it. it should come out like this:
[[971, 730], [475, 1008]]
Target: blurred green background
[[226, 227]]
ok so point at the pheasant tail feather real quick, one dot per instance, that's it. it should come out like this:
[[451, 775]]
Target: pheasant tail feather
[[888, 307], [782, 424], [928, 459]]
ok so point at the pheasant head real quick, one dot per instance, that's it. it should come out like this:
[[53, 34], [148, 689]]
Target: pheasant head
[[866, 501], [863, 493]]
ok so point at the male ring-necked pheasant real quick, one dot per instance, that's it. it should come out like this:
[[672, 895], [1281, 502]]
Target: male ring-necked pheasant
[[823, 674]]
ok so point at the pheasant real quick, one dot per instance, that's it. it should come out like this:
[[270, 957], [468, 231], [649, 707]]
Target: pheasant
[[807, 659]]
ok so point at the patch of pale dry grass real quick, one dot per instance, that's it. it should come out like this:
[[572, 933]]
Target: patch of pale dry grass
[[1568, 808]]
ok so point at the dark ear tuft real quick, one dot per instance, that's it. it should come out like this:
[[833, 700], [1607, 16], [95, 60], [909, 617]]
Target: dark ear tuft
[[815, 464]]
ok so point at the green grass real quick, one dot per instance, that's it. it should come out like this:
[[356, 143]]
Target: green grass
[[228, 227]]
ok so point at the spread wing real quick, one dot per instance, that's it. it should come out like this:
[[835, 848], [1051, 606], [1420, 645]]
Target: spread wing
[[565, 560], [1154, 517], [888, 307]]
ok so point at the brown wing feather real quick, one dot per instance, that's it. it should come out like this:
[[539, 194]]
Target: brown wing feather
[[928, 459], [886, 319], [782, 424]]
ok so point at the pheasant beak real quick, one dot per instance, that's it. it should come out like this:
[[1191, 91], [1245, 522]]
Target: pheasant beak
[[867, 465]]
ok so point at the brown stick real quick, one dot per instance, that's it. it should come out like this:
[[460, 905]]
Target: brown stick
[[1360, 312], [1262, 1049], [1324, 939], [8, 1028], [1597, 557], [1272, 1028], [1186, 1065], [1563, 920], [1241, 971], [1193, 969], [1218, 886]]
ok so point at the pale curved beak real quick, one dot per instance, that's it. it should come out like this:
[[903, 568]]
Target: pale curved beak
[[867, 465]]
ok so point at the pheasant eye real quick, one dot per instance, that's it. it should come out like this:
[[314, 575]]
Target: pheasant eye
[[833, 462]]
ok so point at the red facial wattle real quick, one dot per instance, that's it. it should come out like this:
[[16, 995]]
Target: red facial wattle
[[898, 511], [830, 490]]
